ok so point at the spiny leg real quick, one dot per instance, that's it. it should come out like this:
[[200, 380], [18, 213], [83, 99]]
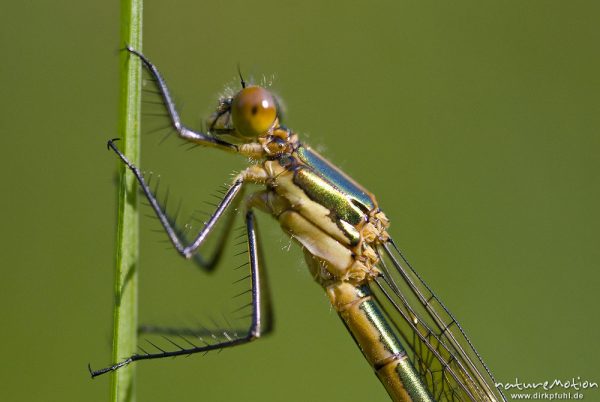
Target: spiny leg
[[198, 329], [186, 331], [261, 312], [206, 262], [186, 251], [210, 262], [184, 132]]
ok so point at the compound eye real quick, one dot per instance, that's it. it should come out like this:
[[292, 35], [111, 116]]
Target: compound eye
[[253, 111]]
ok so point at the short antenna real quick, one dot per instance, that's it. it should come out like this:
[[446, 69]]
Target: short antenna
[[242, 81]]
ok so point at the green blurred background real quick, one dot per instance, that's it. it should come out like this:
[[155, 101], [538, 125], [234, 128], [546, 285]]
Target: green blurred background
[[476, 125]]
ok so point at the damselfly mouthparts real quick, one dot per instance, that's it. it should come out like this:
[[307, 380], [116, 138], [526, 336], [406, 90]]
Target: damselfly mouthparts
[[413, 343]]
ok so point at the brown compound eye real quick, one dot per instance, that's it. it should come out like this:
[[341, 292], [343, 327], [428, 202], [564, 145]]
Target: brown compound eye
[[253, 111]]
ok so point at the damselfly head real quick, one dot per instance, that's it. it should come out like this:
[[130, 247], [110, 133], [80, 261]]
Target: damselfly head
[[251, 113]]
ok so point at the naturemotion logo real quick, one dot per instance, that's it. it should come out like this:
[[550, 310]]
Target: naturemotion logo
[[555, 389]]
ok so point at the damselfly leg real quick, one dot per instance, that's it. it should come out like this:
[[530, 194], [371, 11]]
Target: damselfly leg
[[261, 315], [183, 132]]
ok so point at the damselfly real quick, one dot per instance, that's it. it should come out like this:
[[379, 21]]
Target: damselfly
[[416, 347]]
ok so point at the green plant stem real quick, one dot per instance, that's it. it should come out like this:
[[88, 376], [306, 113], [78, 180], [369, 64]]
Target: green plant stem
[[127, 250]]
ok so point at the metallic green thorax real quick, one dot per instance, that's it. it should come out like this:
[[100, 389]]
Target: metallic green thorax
[[325, 184], [359, 196]]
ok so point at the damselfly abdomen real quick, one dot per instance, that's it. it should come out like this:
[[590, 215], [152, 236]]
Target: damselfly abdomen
[[415, 346]]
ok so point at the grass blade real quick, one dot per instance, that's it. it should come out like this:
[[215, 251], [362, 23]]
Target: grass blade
[[127, 250]]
